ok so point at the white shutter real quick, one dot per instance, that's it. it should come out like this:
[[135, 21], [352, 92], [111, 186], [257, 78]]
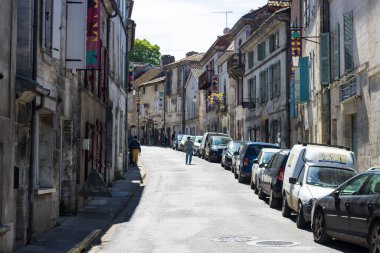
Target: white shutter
[[57, 19], [76, 34]]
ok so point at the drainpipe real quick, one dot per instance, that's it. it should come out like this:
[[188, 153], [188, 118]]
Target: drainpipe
[[34, 108]]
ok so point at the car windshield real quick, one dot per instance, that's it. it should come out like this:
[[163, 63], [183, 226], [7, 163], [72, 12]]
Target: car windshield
[[220, 140], [328, 177], [267, 156], [254, 150], [235, 147]]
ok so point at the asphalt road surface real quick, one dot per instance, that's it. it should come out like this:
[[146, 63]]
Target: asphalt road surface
[[202, 208]]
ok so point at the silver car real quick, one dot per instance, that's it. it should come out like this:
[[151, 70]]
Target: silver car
[[259, 165], [196, 144]]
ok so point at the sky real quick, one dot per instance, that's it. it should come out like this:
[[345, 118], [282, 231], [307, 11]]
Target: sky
[[181, 26]]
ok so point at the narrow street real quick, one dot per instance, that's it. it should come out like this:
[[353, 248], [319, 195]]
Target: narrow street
[[202, 208]]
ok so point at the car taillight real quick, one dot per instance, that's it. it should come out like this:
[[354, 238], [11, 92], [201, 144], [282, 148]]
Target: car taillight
[[280, 175], [245, 162]]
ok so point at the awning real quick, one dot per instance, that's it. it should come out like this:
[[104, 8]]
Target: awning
[[27, 89]]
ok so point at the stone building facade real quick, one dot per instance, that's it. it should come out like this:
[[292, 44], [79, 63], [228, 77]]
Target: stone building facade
[[8, 188], [266, 81], [53, 107]]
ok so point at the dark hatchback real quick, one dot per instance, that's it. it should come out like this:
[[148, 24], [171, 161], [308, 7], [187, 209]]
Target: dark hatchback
[[215, 147], [351, 212], [248, 152], [270, 183], [228, 153]]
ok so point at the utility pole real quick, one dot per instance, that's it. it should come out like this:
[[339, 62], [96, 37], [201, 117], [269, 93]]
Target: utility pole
[[224, 12]]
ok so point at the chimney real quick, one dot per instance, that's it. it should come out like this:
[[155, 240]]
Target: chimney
[[166, 59], [190, 53]]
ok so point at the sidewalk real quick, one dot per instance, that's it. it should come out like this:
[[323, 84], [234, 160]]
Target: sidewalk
[[75, 233]]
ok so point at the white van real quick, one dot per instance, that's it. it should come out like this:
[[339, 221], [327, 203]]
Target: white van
[[313, 171]]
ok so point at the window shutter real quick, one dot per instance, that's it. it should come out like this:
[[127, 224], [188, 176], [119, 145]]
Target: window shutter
[[56, 40], [270, 80], [271, 44], [254, 89], [336, 53], [324, 53], [76, 34], [348, 54], [278, 85], [304, 79]]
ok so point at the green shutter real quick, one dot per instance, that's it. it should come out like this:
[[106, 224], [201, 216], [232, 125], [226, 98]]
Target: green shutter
[[270, 80], [304, 79], [271, 44], [348, 53], [336, 53], [324, 52]]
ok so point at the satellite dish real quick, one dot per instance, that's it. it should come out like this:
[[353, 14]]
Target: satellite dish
[[226, 30]]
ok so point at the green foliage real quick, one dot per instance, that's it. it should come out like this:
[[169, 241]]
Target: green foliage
[[145, 52]]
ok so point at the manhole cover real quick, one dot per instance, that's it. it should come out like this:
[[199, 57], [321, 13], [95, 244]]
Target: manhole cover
[[234, 238], [273, 243]]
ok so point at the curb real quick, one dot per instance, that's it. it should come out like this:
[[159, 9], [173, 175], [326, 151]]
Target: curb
[[80, 247]]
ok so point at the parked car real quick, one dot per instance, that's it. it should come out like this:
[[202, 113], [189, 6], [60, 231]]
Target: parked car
[[206, 141], [248, 152], [196, 144], [313, 171], [176, 141], [259, 164], [228, 153], [350, 212], [271, 179], [215, 147]]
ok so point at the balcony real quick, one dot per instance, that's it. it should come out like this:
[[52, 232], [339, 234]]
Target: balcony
[[205, 79], [235, 66]]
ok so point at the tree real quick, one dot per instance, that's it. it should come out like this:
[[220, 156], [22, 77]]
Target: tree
[[145, 52]]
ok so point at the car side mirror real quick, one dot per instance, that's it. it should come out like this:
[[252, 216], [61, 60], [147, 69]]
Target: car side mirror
[[236, 153], [255, 161], [262, 165], [293, 180], [336, 194], [209, 144]]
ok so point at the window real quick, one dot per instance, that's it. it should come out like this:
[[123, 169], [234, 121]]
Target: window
[[373, 185], [275, 131], [336, 59], [143, 90], [179, 81], [348, 34], [306, 13], [46, 137], [264, 86], [261, 51], [354, 185], [250, 59], [274, 42], [275, 80], [252, 89], [51, 27]]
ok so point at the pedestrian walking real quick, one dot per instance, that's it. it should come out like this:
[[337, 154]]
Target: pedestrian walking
[[189, 150], [135, 149]]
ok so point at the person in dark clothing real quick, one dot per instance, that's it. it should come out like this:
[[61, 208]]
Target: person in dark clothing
[[135, 149]]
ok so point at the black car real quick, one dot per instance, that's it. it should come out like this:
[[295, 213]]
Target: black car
[[270, 181], [215, 147], [351, 212], [232, 147]]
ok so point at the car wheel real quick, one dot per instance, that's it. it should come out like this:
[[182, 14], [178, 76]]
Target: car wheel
[[261, 194], [252, 184], [300, 220], [374, 238], [273, 201], [319, 228], [285, 209], [240, 178]]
